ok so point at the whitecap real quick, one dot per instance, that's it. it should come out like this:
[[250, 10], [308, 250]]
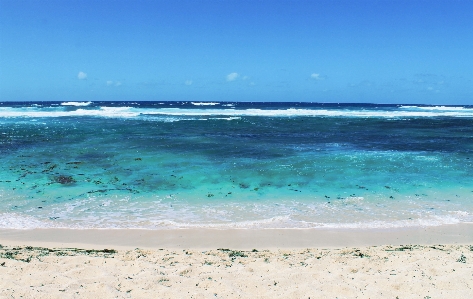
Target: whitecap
[[76, 103], [128, 112], [204, 103]]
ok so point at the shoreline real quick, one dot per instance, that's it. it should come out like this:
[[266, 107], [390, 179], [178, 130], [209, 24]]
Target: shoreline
[[242, 239]]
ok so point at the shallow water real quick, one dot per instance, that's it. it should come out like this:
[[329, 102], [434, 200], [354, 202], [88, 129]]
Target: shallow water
[[249, 165]]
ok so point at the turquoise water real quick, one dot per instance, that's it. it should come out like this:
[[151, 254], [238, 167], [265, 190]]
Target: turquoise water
[[246, 165]]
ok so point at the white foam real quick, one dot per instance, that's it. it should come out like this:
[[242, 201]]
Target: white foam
[[228, 118], [292, 112], [285, 222], [439, 108], [204, 103], [76, 103], [132, 112], [16, 221], [102, 220], [115, 112]]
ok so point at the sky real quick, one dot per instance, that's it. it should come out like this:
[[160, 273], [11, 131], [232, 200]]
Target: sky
[[227, 50]]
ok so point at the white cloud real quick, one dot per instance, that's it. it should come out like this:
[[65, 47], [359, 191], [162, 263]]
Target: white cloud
[[188, 82], [82, 76], [245, 78], [232, 77], [315, 76], [112, 83]]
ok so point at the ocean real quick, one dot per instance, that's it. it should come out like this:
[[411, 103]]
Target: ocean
[[162, 165]]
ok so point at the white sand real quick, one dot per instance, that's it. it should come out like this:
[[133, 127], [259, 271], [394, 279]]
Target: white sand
[[369, 272], [190, 269]]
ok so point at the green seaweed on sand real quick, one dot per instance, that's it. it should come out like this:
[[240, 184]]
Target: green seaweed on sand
[[27, 253], [402, 248], [233, 253], [438, 247], [462, 259], [358, 253]]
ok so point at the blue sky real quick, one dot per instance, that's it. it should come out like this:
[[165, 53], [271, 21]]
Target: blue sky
[[208, 50]]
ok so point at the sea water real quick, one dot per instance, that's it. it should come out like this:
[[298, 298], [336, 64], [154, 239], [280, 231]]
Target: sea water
[[159, 165]]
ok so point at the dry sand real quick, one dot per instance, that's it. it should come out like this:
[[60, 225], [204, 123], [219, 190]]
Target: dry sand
[[184, 268]]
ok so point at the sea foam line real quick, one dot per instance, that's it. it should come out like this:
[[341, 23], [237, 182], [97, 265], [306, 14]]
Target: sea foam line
[[19, 221], [132, 112], [76, 103], [204, 103]]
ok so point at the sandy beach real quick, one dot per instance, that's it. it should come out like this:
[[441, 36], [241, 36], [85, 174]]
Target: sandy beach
[[433, 262]]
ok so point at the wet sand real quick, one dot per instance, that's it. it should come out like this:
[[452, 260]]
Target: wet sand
[[246, 239]]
